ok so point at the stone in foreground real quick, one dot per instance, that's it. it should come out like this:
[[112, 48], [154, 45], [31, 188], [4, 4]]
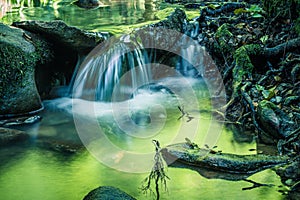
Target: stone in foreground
[[107, 193]]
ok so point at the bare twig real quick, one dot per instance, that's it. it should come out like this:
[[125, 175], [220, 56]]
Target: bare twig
[[157, 174], [183, 113]]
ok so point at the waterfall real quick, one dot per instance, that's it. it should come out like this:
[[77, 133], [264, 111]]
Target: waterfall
[[106, 64], [119, 66]]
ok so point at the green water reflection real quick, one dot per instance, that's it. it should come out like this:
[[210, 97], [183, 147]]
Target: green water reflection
[[42, 174], [113, 16]]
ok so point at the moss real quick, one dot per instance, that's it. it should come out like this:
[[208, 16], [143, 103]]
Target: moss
[[243, 65], [192, 14], [223, 36], [43, 50], [267, 104], [163, 14], [14, 67]]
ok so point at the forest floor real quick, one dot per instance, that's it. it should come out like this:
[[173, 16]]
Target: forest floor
[[259, 59]]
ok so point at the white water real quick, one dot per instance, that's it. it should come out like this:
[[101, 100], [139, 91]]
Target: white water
[[104, 67]]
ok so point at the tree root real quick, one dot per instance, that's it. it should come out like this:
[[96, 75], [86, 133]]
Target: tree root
[[280, 49], [243, 67]]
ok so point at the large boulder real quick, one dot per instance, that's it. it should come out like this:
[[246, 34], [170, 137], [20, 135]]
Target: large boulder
[[59, 33], [107, 193], [20, 52], [70, 46]]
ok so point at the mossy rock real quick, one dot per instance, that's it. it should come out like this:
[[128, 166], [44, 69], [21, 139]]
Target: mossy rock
[[175, 21], [275, 122], [223, 37], [88, 4], [17, 65], [243, 65], [59, 33], [107, 193], [163, 14]]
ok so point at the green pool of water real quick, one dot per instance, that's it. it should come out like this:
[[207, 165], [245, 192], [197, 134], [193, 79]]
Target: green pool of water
[[42, 174], [32, 171]]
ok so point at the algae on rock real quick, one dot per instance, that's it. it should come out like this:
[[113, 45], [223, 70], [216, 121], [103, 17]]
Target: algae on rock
[[19, 56]]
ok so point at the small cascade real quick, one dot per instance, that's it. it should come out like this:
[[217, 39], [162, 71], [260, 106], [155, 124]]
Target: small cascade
[[117, 68], [190, 51], [106, 65]]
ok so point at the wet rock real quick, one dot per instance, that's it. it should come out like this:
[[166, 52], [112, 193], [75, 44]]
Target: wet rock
[[107, 193], [20, 52], [9, 136], [294, 194], [275, 122], [88, 3], [290, 173], [69, 44], [57, 32]]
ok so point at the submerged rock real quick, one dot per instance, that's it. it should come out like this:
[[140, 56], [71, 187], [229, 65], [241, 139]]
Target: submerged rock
[[107, 193], [58, 145], [9, 136], [141, 118], [20, 52], [88, 3]]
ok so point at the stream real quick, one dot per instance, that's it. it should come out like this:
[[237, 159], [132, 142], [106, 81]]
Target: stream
[[117, 135], [34, 171]]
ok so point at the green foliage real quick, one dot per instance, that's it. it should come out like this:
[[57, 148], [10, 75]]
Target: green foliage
[[255, 11], [191, 14], [282, 8]]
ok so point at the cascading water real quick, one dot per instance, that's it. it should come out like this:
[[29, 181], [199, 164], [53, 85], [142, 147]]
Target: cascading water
[[132, 54], [106, 64]]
